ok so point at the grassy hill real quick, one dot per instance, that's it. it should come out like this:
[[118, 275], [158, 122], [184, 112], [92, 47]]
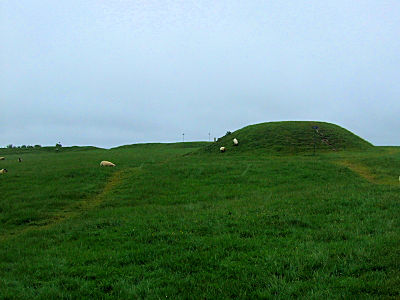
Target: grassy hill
[[290, 137], [162, 224], [30, 150]]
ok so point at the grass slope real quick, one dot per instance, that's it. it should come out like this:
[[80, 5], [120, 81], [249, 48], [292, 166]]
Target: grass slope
[[164, 225], [290, 137], [8, 151]]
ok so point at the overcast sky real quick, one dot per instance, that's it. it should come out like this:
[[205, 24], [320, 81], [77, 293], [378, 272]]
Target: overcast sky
[[114, 72]]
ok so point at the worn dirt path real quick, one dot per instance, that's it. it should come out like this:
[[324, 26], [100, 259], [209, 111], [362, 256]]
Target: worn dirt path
[[365, 173], [359, 169], [76, 208]]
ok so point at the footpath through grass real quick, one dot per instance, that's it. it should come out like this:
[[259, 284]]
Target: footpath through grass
[[163, 225]]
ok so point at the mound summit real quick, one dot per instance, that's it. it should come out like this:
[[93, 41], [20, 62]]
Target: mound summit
[[290, 137]]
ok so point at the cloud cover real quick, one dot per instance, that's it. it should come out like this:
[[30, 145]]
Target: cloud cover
[[115, 72]]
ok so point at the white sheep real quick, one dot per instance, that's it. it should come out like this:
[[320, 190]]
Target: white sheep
[[235, 142], [106, 163], [222, 149], [2, 158], [2, 171]]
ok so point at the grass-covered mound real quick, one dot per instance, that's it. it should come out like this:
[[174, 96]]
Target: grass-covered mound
[[290, 137]]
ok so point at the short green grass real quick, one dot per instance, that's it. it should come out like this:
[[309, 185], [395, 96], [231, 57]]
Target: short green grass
[[167, 223]]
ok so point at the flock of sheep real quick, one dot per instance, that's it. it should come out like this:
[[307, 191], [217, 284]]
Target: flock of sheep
[[106, 163], [235, 143], [2, 171]]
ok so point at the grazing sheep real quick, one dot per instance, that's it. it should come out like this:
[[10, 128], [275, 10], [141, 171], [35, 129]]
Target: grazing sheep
[[222, 149], [235, 142], [19, 159], [2, 171], [2, 158], [105, 163]]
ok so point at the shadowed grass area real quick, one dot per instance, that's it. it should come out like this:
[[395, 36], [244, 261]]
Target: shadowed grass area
[[167, 225]]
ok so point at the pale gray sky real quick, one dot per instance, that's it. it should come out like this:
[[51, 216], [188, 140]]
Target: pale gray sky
[[114, 72]]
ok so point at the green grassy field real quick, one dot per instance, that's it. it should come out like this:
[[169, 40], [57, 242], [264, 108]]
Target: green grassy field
[[173, 221]]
